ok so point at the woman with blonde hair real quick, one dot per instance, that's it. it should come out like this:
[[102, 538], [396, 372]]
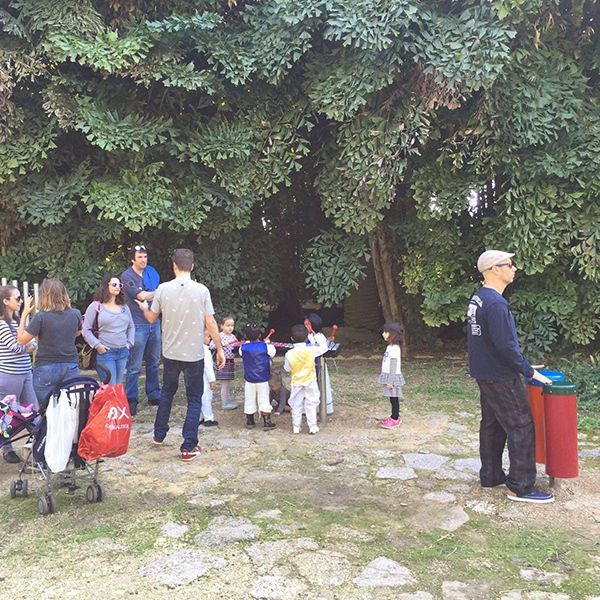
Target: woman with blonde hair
[[15, 363], [56, 326]]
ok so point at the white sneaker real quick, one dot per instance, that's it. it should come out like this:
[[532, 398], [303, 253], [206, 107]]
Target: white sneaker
[[313, 430], [296, 429], [229, 405]]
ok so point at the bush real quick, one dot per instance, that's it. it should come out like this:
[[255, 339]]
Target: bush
[[585, 372]]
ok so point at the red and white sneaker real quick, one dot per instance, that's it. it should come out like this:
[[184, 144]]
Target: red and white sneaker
[[189, 455], [390, 423]]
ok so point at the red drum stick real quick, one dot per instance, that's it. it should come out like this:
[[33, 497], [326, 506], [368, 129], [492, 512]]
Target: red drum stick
[[271, 332]]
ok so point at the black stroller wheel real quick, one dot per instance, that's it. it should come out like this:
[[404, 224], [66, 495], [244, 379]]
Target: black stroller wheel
[[13, 489], [93, 493], [24, 486], [43, 507], [46, 504]]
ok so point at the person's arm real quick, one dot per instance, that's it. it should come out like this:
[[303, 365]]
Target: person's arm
[[271, 350], [130, 328], [209, 369], [130, 289], [24, 336], [88, 322], [504, 339], [149, 314], [283, 398], [211, 324], [7, 339], [286, 363], [319, 344]]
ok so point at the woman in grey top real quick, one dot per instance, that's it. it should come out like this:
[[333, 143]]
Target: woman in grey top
[[108, 327]]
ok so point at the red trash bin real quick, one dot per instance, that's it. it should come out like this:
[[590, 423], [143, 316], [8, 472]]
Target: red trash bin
[[536, 403], [560, 417]]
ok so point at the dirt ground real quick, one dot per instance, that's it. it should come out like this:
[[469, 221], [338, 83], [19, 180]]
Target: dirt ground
[[352, 512]]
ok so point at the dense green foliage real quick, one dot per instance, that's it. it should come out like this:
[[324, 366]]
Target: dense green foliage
[[585, 372], [263, 133]]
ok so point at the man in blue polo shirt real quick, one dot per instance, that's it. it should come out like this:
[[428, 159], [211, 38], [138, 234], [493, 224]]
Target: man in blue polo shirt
[[139, 283], [497, 364]]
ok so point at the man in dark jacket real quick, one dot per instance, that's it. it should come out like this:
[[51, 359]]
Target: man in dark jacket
[[497, 364]]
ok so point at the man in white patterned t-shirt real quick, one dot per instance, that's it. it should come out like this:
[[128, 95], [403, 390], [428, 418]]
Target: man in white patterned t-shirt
[[186, 309]]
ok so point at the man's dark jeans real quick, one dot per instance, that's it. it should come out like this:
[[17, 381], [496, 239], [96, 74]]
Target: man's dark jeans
[[505, 415], [193, 376]]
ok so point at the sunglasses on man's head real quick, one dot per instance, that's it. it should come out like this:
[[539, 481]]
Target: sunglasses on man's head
[[116, 284], [140, 248]]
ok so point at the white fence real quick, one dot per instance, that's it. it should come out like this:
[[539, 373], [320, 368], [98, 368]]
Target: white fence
[[24, 288]]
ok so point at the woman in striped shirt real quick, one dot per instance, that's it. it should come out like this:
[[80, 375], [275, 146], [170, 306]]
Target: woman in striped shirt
[[15, 364]]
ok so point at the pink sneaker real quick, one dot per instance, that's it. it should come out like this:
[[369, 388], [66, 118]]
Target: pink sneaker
[[390, 423]]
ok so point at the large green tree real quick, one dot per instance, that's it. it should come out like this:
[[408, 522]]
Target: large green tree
[[290, 142]]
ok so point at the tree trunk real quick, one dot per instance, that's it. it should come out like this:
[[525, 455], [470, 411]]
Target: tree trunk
[[361, 307], [381, 289], [383, 262]]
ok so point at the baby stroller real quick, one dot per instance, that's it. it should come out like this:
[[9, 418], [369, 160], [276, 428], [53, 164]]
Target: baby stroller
[[14, 420], [80, 392]]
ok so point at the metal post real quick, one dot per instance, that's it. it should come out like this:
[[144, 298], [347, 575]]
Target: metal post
[[323, 395]]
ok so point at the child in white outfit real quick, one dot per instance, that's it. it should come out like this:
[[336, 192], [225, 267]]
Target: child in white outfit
[[207, 418], [304, 397]]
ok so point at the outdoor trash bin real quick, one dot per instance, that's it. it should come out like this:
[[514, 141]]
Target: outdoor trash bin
[[560, 417], [536, 402]]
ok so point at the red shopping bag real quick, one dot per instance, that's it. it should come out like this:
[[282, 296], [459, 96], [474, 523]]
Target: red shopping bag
[[108, 427]]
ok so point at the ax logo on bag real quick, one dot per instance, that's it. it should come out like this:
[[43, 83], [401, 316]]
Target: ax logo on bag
[[117, 412]]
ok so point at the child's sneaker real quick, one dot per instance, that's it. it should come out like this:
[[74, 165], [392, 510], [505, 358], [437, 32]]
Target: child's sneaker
[[156, 442], [209, 423], [390, 423], [231, 405], [189, 455], [313, 430], [250, 422]]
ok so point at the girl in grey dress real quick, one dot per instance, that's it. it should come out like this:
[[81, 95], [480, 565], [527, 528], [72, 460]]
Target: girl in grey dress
[[391, 378]]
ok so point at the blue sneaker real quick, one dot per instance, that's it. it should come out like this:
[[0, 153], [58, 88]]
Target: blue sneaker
[[535, 497]]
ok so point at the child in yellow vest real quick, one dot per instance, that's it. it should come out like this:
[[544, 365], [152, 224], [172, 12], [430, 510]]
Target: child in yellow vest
[[304, 397]]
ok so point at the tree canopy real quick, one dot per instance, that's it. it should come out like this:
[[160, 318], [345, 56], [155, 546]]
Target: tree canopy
[[292, 142]]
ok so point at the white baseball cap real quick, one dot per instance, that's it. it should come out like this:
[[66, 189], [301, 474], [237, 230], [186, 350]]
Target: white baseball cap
[[490, 258]]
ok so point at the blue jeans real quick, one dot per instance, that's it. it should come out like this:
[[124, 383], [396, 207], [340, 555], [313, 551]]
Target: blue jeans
[[46, 377], [147, 344], [193, 376], [112, 362]]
